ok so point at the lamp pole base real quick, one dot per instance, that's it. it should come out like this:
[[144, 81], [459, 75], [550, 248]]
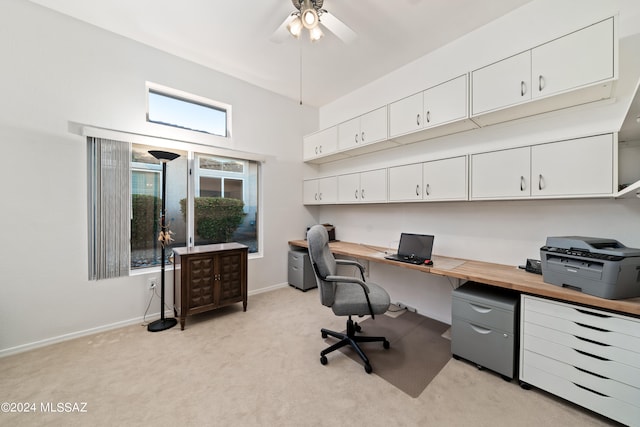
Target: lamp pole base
[[162, 324]]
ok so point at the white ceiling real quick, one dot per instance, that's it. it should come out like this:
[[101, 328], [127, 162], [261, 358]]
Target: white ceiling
[[233, 37]]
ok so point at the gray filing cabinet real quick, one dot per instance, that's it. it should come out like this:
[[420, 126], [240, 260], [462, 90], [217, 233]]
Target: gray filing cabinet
[[484, 327], [300, 273]]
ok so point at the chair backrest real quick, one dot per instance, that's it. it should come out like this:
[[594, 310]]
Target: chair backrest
[[323, 262]]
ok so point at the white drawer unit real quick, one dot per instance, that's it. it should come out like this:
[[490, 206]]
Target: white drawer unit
[[484, 327], [588, 356]]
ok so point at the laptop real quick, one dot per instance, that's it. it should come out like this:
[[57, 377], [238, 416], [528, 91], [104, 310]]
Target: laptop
[[414, 249]]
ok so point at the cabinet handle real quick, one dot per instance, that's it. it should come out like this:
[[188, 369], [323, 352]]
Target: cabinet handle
[[320, 196], [523, 88], [362, 137], [316, 196], [426, 189], [540, 83], [362, 194], [316, 149], [356, 194], [417, 190], [540, 182], [355, 138], [320, 149], [523, 184], [418, 119], [428, 116]]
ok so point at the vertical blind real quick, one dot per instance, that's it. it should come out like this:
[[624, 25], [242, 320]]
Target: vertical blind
[[109, 207]]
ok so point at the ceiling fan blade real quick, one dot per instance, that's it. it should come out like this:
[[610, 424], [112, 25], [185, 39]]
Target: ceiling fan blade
[[281, 33], [337, 27]]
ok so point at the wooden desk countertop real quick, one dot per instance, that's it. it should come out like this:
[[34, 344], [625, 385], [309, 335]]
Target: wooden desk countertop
[[504, 276]]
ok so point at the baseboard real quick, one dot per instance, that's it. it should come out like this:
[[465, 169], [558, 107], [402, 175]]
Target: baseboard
[[135, 321]]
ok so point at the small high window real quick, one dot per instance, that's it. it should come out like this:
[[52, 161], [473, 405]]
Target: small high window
[[171, 107]]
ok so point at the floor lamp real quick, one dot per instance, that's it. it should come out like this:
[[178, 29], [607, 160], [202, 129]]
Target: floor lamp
[[162, 323]]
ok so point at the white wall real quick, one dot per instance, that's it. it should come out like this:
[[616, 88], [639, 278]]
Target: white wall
[[55, 70], [504, 232]]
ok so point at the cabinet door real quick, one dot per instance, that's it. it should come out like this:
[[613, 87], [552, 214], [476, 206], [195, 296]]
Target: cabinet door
[[310, 192], [349, 134], [446, 102], [327, 190], [373, 126], [501, 174], [320, 143], [575, 167], [200, 282], [577, 59], [405, 182], [501, 84], [349, 188], [373, 186], [231, 274], [405, 115], [445, 179]]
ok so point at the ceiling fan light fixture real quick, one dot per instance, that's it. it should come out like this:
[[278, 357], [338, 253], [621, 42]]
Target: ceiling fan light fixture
[[315, 34], [295, 26], [309, 15]]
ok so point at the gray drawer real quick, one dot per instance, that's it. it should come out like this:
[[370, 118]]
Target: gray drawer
[[300, 273], [490, 348], [483, 314]]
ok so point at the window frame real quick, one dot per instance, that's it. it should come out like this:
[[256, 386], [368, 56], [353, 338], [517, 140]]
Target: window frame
[[187, 97]]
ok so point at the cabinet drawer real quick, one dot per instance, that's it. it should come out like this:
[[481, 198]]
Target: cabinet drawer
[[599, 402], [491, 348], [601, 326], [296, 258], [610, 345], [581, 359], [483, 314], [581, 377]]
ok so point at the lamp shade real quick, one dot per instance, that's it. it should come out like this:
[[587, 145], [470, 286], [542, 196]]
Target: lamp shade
[[164, 156]]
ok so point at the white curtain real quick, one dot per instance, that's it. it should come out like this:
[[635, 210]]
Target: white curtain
[[109, 207]]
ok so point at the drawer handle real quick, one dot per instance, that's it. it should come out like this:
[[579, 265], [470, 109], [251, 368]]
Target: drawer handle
[[592, 355], [590, 313], [480, 309], [592, 341], [480, 330], [592, 373], [583, 325], [588, 389]]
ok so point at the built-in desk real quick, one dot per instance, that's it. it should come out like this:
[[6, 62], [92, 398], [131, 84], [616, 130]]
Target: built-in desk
[[504, 276]]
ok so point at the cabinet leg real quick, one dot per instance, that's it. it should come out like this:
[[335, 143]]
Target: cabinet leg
[[244, 305], [182, 321]]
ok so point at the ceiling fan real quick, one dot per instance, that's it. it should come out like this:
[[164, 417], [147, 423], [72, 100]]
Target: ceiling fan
[[312, 16]]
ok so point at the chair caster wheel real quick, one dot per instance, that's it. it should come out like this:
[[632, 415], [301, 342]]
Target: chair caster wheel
[[358, 328], [324, 335], [386, 344], [323, 360], [367, 368]]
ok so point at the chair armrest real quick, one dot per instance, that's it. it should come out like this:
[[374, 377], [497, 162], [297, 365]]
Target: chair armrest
[[353, 263], [348, 279]]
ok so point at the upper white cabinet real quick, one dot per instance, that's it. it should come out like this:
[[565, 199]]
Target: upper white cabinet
[[424, 114], [366, 129], [319, 144], [436, 180], [573, 69], [582, 167], [502, 84], [445, 179], [574, 167], [363, 187], [581, 58], [320, 191]]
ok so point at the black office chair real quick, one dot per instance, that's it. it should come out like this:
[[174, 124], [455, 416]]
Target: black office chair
[[347, 296]]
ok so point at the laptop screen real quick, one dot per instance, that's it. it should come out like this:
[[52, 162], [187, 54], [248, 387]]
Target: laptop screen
[[416, 245]]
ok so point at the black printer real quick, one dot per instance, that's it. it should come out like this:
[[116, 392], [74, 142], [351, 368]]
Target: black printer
[[602, 267]]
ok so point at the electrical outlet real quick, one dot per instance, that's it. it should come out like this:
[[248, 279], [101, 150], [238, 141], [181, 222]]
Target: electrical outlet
[[152, 282], [406, 307]]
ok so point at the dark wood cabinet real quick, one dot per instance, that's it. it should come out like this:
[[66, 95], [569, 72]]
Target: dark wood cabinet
[[209, 277]]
